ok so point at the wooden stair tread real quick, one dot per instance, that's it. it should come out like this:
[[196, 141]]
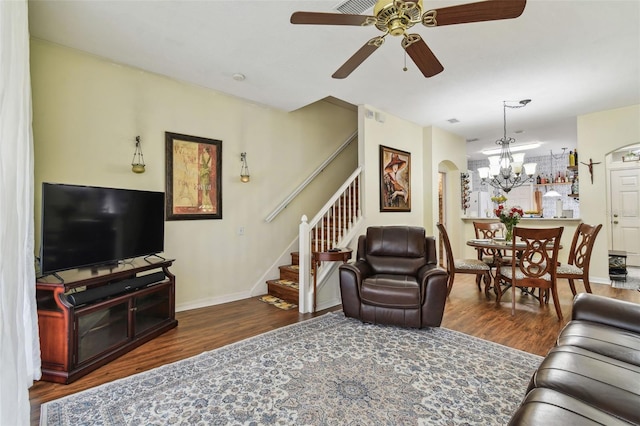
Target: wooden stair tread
[[334, 225]]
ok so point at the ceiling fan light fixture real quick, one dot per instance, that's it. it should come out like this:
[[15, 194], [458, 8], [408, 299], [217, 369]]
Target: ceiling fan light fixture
[[397, 27], [395, 17]]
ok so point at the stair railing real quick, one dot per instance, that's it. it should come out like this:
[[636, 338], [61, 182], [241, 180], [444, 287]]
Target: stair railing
[[335, 225], [283, 205]]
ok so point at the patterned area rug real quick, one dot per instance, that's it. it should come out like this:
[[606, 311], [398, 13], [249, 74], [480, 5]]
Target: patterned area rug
[[327, 370]]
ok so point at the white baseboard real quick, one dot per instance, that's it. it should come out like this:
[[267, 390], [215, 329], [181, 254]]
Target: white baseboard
[[211, 301], [599, 280], [328, 304]]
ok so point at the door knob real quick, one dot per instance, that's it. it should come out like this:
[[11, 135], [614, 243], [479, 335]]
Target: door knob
[[615, 215], [615, 222]]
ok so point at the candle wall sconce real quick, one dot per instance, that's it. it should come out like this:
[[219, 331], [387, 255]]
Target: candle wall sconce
[[137, 163], [244, 170]]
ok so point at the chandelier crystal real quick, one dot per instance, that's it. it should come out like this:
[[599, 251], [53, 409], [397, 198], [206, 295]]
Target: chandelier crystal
[[507, 171]]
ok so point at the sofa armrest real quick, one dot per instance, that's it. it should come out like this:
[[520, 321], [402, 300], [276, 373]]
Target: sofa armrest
[[426, 275], [428, 271], [351, 276], [607, 311], [360, 269]]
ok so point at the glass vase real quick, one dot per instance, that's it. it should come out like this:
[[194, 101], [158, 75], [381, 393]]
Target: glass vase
[[508, 236]]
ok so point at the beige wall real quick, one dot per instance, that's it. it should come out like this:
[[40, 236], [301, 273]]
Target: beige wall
[[448, 154], [599, 134], [396, 133], [88, 111], [430, 147]]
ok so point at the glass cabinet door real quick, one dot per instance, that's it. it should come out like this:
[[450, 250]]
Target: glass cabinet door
[[101, 329], [152, 309]]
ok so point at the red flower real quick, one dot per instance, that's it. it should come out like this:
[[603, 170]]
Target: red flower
[[510, 217]]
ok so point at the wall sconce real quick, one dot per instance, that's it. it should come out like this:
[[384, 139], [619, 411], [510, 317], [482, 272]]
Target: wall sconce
[[137, 163], [244, 171]]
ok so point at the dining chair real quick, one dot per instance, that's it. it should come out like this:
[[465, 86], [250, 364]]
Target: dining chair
[[463, 266], [535, 266], [490, 230], [577, 266]]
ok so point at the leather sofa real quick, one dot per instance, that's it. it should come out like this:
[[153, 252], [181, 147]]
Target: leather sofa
[[592, 375], [395, 279]]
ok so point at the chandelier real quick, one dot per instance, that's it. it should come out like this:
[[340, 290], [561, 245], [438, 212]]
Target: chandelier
[[505, 171]]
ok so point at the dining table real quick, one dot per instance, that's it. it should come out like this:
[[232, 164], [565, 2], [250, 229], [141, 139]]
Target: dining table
[[497, 244], [499, 247]]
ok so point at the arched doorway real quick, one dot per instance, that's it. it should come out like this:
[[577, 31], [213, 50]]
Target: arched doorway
[[448, 187]]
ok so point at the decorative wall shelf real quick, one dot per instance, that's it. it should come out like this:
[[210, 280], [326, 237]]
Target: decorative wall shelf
[[551, 184]]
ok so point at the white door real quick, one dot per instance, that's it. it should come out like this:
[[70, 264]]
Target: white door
[[625, 213]]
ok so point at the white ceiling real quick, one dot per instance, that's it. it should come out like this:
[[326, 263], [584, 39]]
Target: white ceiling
[[571, 57]]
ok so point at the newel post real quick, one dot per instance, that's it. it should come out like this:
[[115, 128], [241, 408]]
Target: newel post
[[305, 298]]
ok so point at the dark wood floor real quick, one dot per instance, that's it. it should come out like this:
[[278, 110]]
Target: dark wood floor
[[532, 329]]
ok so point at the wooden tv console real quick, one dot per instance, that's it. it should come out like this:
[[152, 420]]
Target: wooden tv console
[[75, 340]]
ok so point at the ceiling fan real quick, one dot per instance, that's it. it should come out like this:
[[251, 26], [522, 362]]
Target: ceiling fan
[[395, 17]]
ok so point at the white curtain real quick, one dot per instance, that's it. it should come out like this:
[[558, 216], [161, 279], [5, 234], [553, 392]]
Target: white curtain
[[19, 344]]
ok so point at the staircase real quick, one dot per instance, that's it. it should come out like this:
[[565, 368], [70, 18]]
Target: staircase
[[332, 227], [286, 287]]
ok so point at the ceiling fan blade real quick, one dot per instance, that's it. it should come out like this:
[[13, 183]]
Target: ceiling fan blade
[[421, 55], [319, 18], [354, 61], [489, 10]]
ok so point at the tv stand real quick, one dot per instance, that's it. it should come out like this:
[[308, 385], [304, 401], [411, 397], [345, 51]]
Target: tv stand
[[88, 319]]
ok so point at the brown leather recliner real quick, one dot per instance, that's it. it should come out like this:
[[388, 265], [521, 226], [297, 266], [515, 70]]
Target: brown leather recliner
[[395, 279]]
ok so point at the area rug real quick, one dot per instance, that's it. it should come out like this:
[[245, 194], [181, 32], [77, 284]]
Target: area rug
[[327, 370]]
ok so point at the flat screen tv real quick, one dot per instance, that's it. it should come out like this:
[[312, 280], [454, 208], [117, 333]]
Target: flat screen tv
[[87, 226]]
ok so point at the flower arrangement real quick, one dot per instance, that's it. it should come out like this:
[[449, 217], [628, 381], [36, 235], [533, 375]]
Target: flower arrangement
[[510, 218], [499, 199]]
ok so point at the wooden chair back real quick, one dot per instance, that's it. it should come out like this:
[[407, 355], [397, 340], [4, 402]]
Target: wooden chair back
[[537, 262], [582, 245], [450, 263], [538, 257], [488, 230], [465, 266]]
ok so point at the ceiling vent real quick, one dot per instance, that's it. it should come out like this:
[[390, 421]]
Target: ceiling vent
[[355, 7]]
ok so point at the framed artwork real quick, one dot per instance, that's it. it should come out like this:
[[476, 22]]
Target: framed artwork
[[395, 180], [193, 177]]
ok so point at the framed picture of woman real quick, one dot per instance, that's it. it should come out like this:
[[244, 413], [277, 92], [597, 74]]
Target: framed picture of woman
[[395, 180]]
